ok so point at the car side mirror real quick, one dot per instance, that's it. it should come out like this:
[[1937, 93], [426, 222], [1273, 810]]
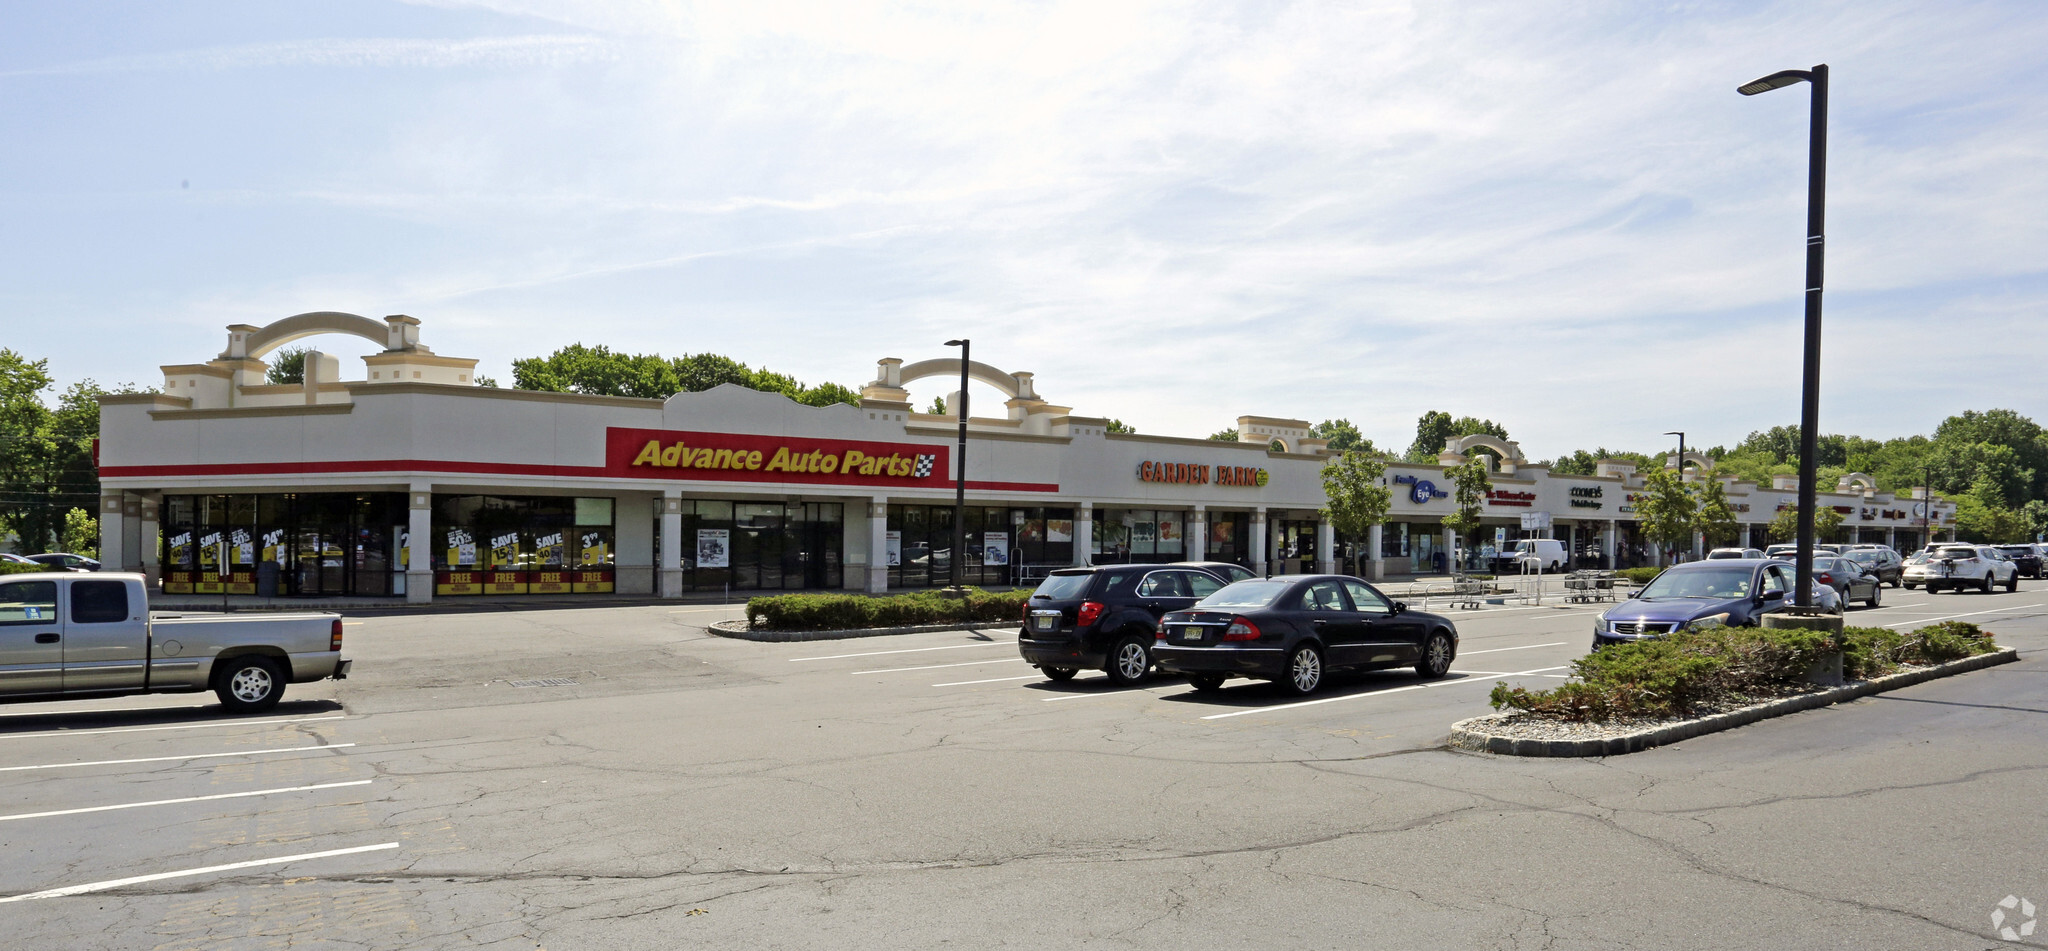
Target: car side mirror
[[1400, 606], [1773, 596]]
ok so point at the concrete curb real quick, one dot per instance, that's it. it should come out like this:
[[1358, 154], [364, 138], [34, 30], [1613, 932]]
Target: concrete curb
[[1471, 734], [738, 629]]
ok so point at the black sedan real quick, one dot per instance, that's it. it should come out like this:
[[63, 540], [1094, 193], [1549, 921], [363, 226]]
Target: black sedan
[[1291, 630]]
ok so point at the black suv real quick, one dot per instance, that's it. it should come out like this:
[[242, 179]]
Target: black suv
[[1106, 618], [2028, 560]]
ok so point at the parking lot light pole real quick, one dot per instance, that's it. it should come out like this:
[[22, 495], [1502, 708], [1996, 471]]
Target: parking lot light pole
[[960, 473], [1681, 456], [1809, 405]]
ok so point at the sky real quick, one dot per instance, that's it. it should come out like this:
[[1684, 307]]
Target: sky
[[1556, 215]]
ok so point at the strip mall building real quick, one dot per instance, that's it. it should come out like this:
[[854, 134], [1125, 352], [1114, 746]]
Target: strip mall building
[[412, 481]]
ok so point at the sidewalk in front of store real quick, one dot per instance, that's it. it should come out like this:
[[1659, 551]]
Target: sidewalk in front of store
[[447, 604]]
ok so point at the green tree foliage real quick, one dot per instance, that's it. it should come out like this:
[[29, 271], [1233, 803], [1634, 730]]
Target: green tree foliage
[[1977, 521], [81, 534], [1342, 436], [1354, 484], [1224, 435], [1584, 463], [599, 371], [1668, 512], [1119, 426], [1473, 482], [1716, 518], [1436, 427], [938, 407], [1827, 525], [46, 468], [287, 367]]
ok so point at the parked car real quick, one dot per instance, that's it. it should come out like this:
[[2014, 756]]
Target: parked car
[[69, 636], [9, 558], [1293, 630], [2027, 558], [1913, 571], [1732, 591], [1970, 566], [1787, 550], [1848, 578], [1105, 618], [1222, 569], [1735, 553], [1880, 561], [65, 561]]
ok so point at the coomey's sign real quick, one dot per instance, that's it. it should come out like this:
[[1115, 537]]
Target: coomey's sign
[[1195, 473], [733, 457]]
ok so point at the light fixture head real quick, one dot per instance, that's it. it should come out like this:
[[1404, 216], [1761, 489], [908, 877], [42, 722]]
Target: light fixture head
[[957, 343], [1775, 80]]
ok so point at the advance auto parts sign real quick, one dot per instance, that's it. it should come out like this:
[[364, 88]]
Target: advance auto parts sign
[[732, 457]]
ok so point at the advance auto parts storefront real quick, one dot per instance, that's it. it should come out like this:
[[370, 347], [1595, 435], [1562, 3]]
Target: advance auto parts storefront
[[418, 483]]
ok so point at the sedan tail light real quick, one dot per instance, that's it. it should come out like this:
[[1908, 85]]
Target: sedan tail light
[[1826, 578], [1091, 612], [1241, 629]]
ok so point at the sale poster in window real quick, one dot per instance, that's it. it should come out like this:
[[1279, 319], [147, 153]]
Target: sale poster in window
[[714, 548], [995, 548]]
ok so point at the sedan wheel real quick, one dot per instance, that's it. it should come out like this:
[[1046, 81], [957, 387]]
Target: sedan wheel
[[1304, 670], [1436, 656], [1207, 683], [1872, 601], [1131, 661]]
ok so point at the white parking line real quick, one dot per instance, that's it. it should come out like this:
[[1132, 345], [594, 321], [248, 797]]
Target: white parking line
[[166, 759], [1476, 677], [1496, 650], [152, 729], [907, 650], [997, 680], [173, 802], [971, 663], [1951, 617], [209, 870]]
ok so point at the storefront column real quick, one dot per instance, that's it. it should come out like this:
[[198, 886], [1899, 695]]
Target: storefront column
[[1084, 535], [1891, 538], [113, 553], [1607, 544], [1195, 541], [1450, 550], [149, 540], [1375, 541], [878, 548], [131, 533], [1745, 536], [669, 567], [419, 544], [1258, 541], [1326, 548]]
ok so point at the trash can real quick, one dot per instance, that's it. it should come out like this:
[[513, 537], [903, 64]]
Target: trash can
[[1436, 563], [266, 579]]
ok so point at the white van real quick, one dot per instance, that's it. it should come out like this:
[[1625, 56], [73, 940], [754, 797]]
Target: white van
[[1533, 553]]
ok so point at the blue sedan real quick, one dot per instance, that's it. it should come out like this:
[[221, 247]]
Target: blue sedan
[[1736, 592]]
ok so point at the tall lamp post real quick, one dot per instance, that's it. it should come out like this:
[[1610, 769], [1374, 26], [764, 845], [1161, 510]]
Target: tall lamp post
[[1927, 502], [960, 473], [1681, 456], [1809, 405]]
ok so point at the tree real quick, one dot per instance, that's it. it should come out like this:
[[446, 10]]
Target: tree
[[1224, 435], [1353, 483], [287, 367], [1473, 483], [1716, 518], [1785, 526], [1585, 463], [1342, 436], [46, 467], [1437, 427], [1668, 510], [1119, 426], [597, 370], [81, 535], [938, 407]]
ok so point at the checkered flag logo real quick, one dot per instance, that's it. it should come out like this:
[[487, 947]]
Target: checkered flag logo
[[924, 465]]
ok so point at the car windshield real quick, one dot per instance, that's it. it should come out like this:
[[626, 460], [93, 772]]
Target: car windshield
[[1245, 594], [1957, 553], [2016, 549], [1863, 556], [1699, 583], [1061, 586]]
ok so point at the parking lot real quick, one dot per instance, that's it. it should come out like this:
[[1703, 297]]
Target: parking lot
[[616, 777]]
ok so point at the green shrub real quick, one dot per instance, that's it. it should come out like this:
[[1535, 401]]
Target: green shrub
[[828, 612], [1677, 675], [10, 568], [1639, 576]]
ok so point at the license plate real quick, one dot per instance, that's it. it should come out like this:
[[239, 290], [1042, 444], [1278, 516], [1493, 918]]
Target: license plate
[[1046, 623], [1191, 633]]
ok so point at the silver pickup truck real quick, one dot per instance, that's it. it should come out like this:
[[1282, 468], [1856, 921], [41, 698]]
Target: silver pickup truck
[[70, 635]]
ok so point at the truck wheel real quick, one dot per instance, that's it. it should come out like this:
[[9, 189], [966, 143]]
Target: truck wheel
[[249, 684]]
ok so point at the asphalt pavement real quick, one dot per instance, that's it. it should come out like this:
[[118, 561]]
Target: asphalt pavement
[[619, 778]]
